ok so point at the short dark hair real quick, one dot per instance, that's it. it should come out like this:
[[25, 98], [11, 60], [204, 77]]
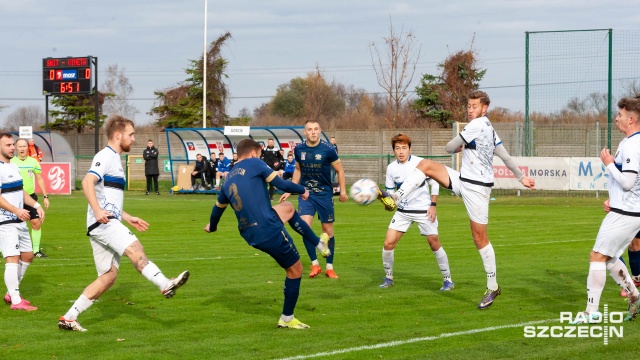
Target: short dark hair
[[221, 153], [631, 104], [5, 135], [117, 123], [477, 94], [245, 146]]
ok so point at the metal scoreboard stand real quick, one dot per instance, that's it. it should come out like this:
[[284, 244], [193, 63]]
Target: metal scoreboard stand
[[71, 76]]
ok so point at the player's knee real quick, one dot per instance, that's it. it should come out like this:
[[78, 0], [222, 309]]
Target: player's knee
[[635, 245]]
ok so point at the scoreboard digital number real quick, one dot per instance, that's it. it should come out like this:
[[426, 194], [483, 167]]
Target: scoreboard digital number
[[67, 76]]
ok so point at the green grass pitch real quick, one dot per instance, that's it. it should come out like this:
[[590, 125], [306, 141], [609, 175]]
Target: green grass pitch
[[231, 304]]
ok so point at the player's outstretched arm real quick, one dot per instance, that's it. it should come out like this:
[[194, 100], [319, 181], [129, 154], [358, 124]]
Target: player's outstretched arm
[[216, 214], [134, 221]]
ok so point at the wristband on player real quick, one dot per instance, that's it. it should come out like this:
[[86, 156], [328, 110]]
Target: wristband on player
[[36, 205], [433, 204], [46, 196]]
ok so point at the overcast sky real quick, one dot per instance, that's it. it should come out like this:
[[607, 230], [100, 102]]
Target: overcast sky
[[277, 40]]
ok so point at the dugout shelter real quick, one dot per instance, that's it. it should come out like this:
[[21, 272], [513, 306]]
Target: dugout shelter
[[185, 143], [55, 149]]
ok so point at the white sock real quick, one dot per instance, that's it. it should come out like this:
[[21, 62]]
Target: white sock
[[315, 262], [595, 284], [11, 280], [412, 182], [329, 266], [22, 269], [82, 304], [443, 263], [153, 274], [217, 182], [489, 261], [620, 275], [286, 318], [387, 262]]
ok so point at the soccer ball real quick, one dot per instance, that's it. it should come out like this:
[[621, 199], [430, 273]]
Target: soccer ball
[[364, 191]]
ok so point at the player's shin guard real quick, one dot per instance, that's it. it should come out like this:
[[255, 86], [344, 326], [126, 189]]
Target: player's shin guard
[[387, 263], [332, 248], [22, 269], [36, 235], [80, 305], [595, 284], [634, 262], [12, 283], [443, 263], [415, 179], [489, 261], [291, 293], [302, 228], [153, 274], [620, 275]]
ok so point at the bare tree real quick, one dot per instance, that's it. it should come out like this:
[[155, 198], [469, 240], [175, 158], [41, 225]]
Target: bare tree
[[632, 88], [31, 115], [117, 83], [395, 65]]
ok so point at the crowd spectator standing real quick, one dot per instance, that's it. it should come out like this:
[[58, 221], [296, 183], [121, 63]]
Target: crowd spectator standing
[[151, 170], [34, 151]]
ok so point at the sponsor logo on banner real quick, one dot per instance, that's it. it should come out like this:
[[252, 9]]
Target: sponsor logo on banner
[[190, 146], [504, 172], [588, 174], [57, 178]]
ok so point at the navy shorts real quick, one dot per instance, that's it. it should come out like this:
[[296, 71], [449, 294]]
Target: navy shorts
[[281, 248], [322, 205]]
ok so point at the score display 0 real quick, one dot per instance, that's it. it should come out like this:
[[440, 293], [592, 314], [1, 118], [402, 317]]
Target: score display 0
[[67, 76]]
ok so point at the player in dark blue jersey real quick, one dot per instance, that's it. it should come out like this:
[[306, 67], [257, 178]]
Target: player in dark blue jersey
[[262, 225], [314, 159]]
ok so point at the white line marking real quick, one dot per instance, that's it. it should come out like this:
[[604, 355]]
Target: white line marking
[[415, 340]]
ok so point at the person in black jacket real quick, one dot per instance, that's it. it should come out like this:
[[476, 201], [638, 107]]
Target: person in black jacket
[[272, 157], [200, 171], [151, 171]]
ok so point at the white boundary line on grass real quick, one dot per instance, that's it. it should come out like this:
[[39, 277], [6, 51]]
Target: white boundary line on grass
[[415, 340]]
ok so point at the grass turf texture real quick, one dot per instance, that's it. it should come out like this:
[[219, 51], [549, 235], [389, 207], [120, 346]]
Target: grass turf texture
[[231, 304]]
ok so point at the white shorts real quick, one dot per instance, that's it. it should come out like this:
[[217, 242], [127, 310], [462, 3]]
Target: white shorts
[[615, 234], [475, 197], [402, 221], [14, 239], [109, 241]]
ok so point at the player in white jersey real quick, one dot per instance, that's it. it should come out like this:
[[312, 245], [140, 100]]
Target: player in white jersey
[[622, 221], [103, 187], [473, 182], [417, 207], [15, 243]]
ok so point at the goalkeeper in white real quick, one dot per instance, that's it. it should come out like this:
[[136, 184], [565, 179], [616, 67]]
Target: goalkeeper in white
[[418, 207]]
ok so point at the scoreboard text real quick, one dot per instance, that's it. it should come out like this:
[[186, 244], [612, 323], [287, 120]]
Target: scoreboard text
[[67, 76]]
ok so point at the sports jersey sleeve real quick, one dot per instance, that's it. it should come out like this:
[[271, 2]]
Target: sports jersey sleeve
[[470, 132], [36, 168], [389, 183], [287, 186], [332, 155], [98, 167], [435, 187]]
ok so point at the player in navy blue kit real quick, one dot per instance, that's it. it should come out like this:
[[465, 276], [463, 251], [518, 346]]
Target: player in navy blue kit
[[262, 225], [314, 159]]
